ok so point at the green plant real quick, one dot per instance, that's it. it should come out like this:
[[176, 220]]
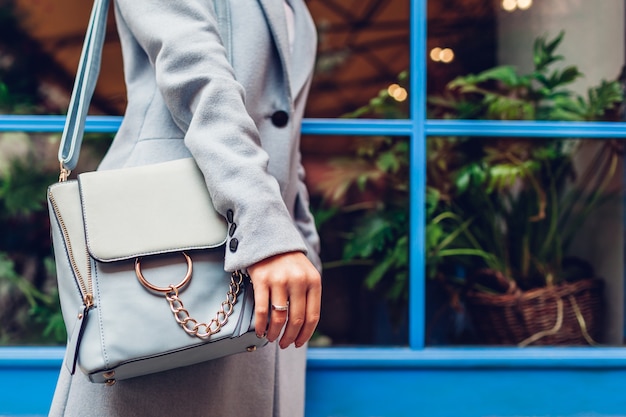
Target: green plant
[[31, 313], [501, 93], [369, 190], [515, 205]]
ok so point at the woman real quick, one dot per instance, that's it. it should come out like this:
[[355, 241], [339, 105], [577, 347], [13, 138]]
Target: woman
[[224, 81]]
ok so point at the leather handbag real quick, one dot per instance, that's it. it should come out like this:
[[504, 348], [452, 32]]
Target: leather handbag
[[139, 255]]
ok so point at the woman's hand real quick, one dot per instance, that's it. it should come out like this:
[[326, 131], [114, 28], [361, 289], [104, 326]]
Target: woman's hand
[[288, 279]]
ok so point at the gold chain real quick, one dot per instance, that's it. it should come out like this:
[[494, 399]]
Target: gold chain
[[205, 330]]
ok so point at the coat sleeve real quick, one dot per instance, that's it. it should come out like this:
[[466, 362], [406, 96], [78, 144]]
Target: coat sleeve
[[193, 75], [305, 221]]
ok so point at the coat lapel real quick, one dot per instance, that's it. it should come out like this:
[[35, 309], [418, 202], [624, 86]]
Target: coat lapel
[[305, 47], [275, 16]]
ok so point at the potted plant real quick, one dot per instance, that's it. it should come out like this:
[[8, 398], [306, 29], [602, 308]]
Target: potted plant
[[524, 200], [501, 212]]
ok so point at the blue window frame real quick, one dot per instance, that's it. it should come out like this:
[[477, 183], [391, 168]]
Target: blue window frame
[[407, 381]]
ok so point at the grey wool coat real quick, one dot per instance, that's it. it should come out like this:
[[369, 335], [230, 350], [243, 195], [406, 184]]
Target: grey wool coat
[[236, 106]]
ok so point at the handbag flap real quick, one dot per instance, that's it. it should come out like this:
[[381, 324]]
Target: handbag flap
[[150, 209]]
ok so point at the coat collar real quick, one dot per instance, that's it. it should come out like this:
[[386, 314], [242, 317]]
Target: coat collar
[[296, 66], [275, 16], [304, 52]]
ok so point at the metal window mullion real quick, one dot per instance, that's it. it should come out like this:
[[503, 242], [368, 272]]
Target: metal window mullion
[[416, 126], [417, 181], [33, 123]]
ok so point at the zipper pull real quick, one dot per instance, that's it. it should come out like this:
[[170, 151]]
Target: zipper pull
[[73, 344]]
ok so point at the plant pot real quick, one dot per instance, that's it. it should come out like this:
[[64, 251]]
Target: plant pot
[[563, 314]]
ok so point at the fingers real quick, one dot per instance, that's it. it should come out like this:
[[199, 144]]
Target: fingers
[[303, 318], [312, 316], [295, 319], [278, 317], [281, 281]]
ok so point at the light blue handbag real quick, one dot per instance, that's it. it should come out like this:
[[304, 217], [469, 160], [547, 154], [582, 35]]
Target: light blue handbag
[[140, 257]]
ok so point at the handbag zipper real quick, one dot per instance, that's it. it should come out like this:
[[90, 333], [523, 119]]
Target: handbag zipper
[[84, 287]]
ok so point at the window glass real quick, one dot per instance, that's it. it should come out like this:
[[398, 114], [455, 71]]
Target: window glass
[[363, 48], [520, 241], [40, 49], [359, 197], [533, 50]]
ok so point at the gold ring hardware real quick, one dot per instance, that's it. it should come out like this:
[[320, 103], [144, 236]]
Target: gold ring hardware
[[190, 325], [251, 348], [171, 288]]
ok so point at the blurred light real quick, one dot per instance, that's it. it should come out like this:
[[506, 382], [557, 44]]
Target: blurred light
[[392, 89], [435, 54], [445, 55], [511, 5], [397, 92], [400, 94]]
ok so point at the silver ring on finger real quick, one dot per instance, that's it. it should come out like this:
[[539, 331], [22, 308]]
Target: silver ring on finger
[[276, 307]]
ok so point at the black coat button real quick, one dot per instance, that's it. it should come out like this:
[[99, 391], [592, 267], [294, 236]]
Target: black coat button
[[280, 118], [230, 216], [234, 243], [231, 230]]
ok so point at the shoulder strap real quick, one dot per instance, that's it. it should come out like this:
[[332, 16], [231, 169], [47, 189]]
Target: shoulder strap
[[87, 77], [84, 85]]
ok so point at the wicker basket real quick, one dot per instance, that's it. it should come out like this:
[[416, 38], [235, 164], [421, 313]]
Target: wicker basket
[[564, 314]]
